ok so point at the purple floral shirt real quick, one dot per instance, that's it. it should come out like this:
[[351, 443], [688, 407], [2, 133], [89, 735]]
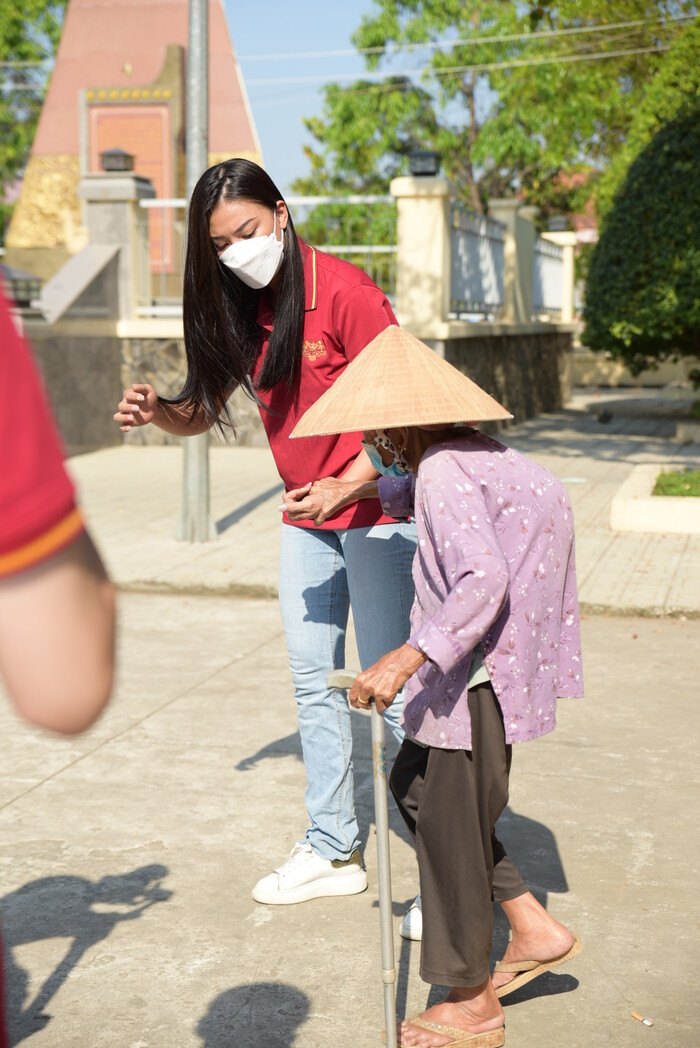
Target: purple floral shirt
[[495, 567]]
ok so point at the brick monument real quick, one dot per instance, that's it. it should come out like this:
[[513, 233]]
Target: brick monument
[[119, 82]]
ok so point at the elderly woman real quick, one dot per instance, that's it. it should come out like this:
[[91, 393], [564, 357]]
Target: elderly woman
[[494, 642]]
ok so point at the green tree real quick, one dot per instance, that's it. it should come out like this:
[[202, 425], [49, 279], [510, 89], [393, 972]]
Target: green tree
[[674, 91], [643, 288], [514, 97], [390, 124], [29, 35]]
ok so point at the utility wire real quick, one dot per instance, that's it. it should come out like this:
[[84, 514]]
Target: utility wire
[[474, 41], [430, 45], [427, 45], [476, 68]]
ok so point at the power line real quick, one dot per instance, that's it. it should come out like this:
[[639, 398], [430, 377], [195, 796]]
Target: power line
[[476, 68], [519, 62], [465, 42]]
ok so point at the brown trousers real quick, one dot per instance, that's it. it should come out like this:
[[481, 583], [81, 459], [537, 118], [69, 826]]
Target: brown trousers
[[450, 800]]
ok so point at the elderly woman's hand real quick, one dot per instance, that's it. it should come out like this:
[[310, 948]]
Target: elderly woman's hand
[[385, 679], [335, 494], [325, 497]]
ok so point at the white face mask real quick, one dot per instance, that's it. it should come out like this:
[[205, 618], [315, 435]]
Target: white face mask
[[255, 261]]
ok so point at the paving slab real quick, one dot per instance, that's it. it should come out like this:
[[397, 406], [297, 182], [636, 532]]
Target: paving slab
[[127, 855]]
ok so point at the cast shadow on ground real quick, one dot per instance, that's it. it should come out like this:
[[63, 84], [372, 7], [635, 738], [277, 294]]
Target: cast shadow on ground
[[253, 1015], [238, 514], [289, 745], [568, 435], [62, 907]]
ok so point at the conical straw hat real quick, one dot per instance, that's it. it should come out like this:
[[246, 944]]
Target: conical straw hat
[[397, 381]]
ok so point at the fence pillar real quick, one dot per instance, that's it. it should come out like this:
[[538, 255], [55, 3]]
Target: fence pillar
[[518, 248], [567, 240], [422, 251], [112, 216], [525, 236]]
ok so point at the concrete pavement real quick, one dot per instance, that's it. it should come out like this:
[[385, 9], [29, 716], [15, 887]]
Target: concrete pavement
[[127, 855]]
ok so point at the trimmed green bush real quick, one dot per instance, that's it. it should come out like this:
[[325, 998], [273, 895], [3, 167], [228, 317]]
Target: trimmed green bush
[[643, 289]]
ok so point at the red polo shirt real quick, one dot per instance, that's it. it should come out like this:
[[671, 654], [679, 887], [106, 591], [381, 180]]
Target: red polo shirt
[[345, 310], [38, 516]]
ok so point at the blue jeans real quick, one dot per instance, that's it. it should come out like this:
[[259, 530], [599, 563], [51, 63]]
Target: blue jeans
[[321, 574]]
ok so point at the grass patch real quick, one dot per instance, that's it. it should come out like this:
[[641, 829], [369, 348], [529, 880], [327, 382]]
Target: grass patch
[[679, 482], [695, 410]]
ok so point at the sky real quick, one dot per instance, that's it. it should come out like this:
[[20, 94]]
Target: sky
[[296, 27]]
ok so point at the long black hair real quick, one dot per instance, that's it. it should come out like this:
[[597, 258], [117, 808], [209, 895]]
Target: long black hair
[[222, 338]]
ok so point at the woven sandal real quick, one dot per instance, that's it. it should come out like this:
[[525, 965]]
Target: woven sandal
[[525, 971], [488, 1039]]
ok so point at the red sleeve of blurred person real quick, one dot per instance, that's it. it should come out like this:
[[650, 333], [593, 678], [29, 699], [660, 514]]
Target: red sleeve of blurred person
[[38, 514]]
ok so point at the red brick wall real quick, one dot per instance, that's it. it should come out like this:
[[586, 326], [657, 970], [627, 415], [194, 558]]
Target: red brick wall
[[144, 131]]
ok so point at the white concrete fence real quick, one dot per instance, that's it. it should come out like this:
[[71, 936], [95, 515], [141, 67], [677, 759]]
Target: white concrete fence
[[448, 266], [456, 267], [477, 258], [463, 265]]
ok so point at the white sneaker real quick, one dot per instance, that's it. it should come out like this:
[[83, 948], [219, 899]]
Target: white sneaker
[[411, 926], [306, 875]]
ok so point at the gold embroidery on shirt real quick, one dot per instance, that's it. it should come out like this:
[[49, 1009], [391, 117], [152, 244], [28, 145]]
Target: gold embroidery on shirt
[[313, 350]]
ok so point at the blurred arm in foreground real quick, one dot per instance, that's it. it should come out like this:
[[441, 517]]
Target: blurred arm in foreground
[[57, 604]]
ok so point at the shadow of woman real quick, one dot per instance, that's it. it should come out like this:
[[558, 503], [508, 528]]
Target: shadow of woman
[[73, 908], [255, 1014]]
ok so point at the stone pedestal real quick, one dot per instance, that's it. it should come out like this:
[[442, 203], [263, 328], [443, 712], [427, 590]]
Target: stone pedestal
[[113, 216]]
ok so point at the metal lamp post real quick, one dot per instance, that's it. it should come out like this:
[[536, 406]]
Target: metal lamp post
[[196, 524]]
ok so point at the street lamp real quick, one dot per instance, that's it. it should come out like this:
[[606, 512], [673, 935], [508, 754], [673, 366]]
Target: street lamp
[[116, 160], [424, 163], [558, 224]]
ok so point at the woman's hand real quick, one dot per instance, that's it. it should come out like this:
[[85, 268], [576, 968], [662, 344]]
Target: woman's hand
[[383, 681], [300, 505], [321, 499], [137, 408]]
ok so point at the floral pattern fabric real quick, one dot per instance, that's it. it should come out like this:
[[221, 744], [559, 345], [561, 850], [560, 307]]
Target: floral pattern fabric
[[495, 566]]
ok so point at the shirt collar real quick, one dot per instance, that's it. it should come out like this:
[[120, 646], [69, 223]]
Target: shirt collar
[[308, 257]]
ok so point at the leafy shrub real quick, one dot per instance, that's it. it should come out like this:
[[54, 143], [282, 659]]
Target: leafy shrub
[[643, 290]]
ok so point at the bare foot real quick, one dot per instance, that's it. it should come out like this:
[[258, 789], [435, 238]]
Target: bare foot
[[472, 1008], [536, 935]]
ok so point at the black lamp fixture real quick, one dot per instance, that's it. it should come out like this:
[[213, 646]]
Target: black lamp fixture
[[558, 224], [424, 163], [116, 160]]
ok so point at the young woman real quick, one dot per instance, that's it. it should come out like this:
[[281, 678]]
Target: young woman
[[264, 311]]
